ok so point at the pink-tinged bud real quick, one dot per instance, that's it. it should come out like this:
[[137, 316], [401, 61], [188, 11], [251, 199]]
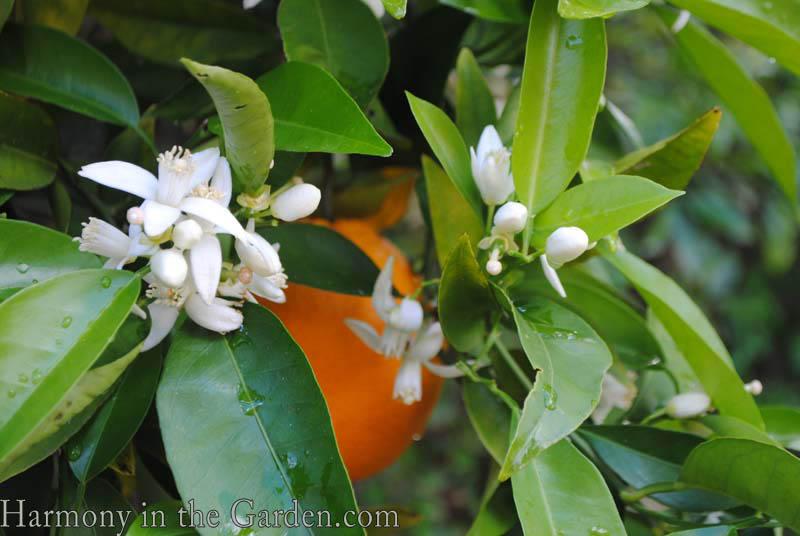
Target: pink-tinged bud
[[135, 216], [494, 267], [246, 275]]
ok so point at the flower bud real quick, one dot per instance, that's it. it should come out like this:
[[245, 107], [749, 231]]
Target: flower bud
[[170, 267], [688, 405], [135, 216], [186, 234], [245, 275], [754, 387], [407, 315], [511, 217], [491, 167], [565, 244], [296, 202], [259, 256], [494, 267]]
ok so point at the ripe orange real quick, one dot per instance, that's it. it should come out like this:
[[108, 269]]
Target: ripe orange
[[371, 427]]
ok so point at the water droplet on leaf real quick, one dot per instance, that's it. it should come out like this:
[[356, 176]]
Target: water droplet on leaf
[[23, 268], [23, 378], [291, 460], [573, 42], [249, 400], [74, 452], [66, 322], [36, 376], [11, 393], [105, 281], [597, 531], [550, 396]]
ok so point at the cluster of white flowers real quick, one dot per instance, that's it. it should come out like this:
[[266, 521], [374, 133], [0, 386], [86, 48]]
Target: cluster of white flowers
[[491, 169], [187, 206]]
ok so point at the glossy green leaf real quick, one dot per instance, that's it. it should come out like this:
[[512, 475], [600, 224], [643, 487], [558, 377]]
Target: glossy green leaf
[[672, 161], [490, 418], [693, 334], [246, 121], [602, 207], [708, 531], [516, 11], [30, 253], [50, 335], [586, 9], [451, 215], [464, 298], [112, 513], [5, 195], [64, 15], [248, 410], [745, 98], [549, 503], [5, 11], [571, 360], [150, 520], [448, 146], [783, 424], [772, 27], [208, 31], [642, 455], [474, 102], [337, 264], [112, 428], [341, 36], [507, 122], [313, 113], [496, 515], [760, 475], [60, 204], [621, 326], [565, 62], [32, 61], [27, 145], [396, 8]]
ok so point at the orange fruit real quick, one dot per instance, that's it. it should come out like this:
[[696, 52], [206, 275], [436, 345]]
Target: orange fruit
[[371, 427]]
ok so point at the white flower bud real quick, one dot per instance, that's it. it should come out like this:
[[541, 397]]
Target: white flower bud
[[135, 216], [260, 257], [186, 234], [494, 267], [407, 315], [170, 267], [754, 387], [491, 167], [296, 202], [511, 217], [565, 244], [688, 405]]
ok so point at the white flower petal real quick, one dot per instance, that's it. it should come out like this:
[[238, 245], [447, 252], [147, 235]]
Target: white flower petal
[[408, 383], [220, 316], [205, 261], [223, 182], [216, 214], [249, 4], [158, 217], [488, 142], [382, 300], [407, 315], [365, 332], [122, 176], [427, 345], [205, 164], [162, 318], [552, 277], [267, 289], [170, 267]]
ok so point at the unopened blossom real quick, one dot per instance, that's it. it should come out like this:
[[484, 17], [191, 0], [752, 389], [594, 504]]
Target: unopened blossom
[[187, 234], [511, 218], [688, 405], [102, 238], [491, 167], [565, 244], [402, 319], [297, 202], [170, 266], [493, 265], [261, 256], [249, 284], [754, 387], [615, 394]]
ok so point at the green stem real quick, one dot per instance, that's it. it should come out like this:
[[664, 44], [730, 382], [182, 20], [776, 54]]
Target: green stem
[[526, 237], [653, 416], [631, 496], [489, 219], [513, 365], [428, 283]]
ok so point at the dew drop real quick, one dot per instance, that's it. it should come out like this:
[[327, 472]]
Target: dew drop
[[238, 339], [573, 42], [291, 460], [34, 280], [74, 452], [249, 400], [23, 378], [36, 376], [598, 531], [66, 322], [550, 397], [771, 60], [23, 268], [11, 393], [105, 281]]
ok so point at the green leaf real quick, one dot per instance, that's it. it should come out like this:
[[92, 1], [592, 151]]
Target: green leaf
[[28, 141], [693, 334], [602, 207], [451, 215], [496, 515], [246, 122], [30, 253], [489, 416], [643, 455], [50, 335], [464, 298], [586, 9], [448, 146], [615, 320], [64, 15], [516, 11], [341, 36], [208, 31], [672, 161], [248, 410], [112, 428], [32, 61], [396, 8], [149, 522], [708, 531], [5, 11], [783, 424], [60, 204], [565, 61], [507, 122], [548, 503], [571, 360], [474, 102], [313, 113], [760, 475], [746, 99], [772, 27], [338, 265], [100, 498]]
